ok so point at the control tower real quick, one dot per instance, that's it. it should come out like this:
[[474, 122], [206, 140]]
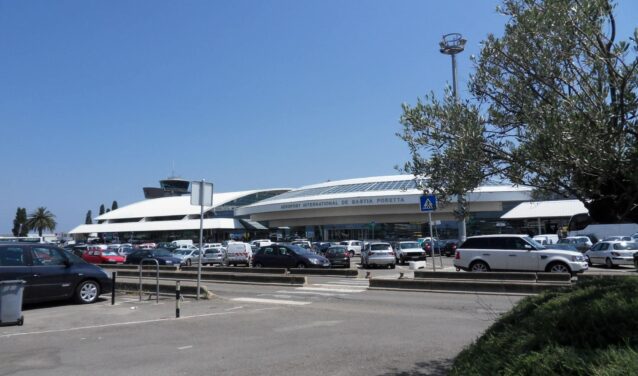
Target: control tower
[[171, 186]]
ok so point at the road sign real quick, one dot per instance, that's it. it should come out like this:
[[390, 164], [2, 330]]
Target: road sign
[[428, 203], [201, 196]]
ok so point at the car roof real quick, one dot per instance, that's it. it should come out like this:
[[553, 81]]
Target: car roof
[[500, 236]]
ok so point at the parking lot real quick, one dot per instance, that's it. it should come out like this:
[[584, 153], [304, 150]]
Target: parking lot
[[331, 326]]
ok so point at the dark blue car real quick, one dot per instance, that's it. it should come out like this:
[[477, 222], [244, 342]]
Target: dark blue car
[[288, 256], [162, 255], [52, 273]]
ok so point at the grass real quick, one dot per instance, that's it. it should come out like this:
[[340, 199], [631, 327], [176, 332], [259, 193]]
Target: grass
[[590, 330]]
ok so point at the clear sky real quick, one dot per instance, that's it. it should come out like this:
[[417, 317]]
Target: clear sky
[[101, 98]]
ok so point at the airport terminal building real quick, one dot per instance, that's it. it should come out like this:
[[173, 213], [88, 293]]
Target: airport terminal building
[[382, 207]]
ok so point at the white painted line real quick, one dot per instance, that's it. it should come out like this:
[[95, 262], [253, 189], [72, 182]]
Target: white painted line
[[335, 285], [312, 293], [327, 289], [270, 301], [233, 308], [185, 347], [113, 324]]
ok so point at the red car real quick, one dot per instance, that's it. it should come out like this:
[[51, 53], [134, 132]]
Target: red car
[[102, 256]]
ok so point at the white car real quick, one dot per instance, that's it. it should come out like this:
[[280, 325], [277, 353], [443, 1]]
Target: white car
[[353, 246], [612, 253], [517, 253], [408, 251]]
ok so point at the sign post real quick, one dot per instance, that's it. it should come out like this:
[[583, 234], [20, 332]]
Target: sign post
[[202, 195], [428, 204]]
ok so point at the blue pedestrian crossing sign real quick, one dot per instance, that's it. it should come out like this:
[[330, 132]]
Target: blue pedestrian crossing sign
[[428, 203]]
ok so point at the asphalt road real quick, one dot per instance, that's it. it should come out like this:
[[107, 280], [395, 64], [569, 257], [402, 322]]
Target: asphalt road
[[332, 326]]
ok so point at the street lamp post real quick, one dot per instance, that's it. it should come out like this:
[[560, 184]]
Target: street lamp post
[[451, 44]]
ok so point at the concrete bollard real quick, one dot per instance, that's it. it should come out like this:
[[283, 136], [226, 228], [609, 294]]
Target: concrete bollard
[[367, 275], [400, 275]]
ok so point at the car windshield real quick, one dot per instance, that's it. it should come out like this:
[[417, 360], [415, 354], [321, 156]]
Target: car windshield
[[409, 245], [344, 243], [380, 247], [183, 252], [162, 253], [109, 253], [625, 246], [73, 257], [336, 251], [533, 242]]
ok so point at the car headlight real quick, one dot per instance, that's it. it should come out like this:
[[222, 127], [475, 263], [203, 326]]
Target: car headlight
[[578, 258], [314, 261]]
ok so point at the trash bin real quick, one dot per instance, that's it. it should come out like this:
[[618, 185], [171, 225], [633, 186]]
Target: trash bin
[[11, 302]]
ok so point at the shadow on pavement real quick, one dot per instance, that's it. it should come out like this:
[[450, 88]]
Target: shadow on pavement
[[437, 367]]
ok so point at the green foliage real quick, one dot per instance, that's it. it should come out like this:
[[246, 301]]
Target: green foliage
[[19, 223], [41, 219], [114, 205], [102, 209], [556, 101], [89, 218], [592, 330]]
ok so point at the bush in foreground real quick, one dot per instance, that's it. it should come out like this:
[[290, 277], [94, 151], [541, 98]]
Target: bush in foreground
[[590, 330]]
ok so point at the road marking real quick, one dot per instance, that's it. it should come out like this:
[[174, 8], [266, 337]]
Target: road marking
[[270, 301], [311, 293], [337, 285], [121, 324], [185, 347], [315, 324], [328, 289]]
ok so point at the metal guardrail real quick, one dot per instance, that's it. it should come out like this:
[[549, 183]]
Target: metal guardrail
[[156, 277]]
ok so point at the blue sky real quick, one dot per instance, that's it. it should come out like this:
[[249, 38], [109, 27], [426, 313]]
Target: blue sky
[[101, 98]]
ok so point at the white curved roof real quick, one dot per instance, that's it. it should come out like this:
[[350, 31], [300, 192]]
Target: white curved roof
[[187, 224], [171, 206], [546, 209], [379, 188]]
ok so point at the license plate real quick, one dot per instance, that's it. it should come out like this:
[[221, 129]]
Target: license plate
[[169, 262]]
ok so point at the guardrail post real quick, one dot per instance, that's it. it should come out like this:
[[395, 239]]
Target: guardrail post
[[400, 275], [157, 270], [178, 297]]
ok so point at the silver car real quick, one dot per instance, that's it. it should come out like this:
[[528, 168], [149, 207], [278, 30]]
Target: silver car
[[213, 256], [378, 254], [188, 256], [612, 253]]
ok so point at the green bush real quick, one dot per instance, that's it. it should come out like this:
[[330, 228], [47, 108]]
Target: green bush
[[590, 330]]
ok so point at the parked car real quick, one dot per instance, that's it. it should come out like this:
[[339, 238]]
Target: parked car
[[238, 254], [449, 247], [583, 243], [321, 247], [99, 256], [378, 254], [620, 238], [303, 244], [408, 251], [188, 257], [162, 255], [612, 253], [353, 246], [338, 256], [213, 256], [515, 252], [52, 273], [288, 256], [125, 250], [546, 239]]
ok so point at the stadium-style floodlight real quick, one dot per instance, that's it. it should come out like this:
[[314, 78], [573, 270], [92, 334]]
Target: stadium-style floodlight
[[451, 44]]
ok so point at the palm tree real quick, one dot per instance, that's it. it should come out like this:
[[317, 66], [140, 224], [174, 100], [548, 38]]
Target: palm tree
[[41, 220]]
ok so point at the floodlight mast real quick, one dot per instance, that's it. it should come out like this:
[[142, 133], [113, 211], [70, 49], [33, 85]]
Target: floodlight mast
[[452, 44]]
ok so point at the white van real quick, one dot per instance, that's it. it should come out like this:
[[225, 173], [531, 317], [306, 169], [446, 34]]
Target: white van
[[546, 239], [238, 253], [177, 243]]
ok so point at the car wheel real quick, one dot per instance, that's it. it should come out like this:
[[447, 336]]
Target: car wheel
[[258, 265], [392, 266], [351, 253], [188, 262], [301, 265], [608, 263], [87, 292], [479, 266], [558, 267]]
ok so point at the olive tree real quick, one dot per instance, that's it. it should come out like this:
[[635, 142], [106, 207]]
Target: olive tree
[[553, 105]]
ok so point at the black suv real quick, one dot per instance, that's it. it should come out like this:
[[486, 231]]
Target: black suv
[[51, 273]]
